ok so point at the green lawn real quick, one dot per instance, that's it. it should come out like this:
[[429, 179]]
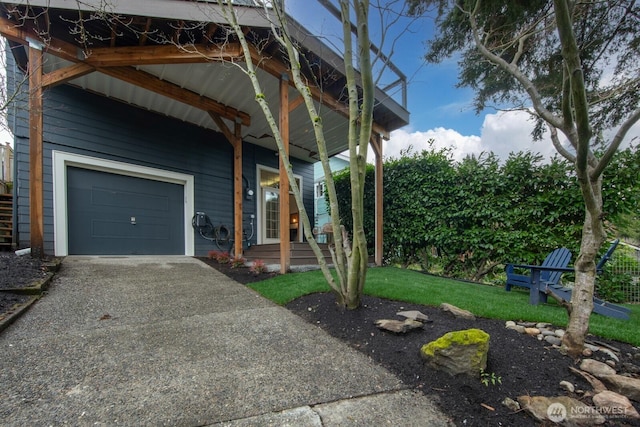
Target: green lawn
[[482, 300]]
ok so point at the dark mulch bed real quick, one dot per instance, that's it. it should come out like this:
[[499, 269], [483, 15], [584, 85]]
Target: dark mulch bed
[[17, 272], [239, 274], [9, 300], [525, 365]]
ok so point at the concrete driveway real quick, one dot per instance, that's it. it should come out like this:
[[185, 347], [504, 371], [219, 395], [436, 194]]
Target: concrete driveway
[[170, 341]]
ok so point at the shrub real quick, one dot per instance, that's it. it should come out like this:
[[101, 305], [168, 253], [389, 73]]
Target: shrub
[[223, 257], [213, 254], [610, 286], [480, 213], [237, 261], [258, 267]]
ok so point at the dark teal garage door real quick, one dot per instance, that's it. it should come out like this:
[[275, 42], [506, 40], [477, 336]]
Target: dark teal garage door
[[111, 214]]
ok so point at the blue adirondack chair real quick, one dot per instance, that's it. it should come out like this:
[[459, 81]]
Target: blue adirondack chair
[[607, 256], [559, 258], [545, 280]]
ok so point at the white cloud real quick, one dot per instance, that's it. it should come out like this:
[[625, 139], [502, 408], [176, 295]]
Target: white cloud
[[510, 132], [501, 133], [460, 145]]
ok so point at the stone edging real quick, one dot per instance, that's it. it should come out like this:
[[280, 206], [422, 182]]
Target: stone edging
[[36, 290], [16, 311]]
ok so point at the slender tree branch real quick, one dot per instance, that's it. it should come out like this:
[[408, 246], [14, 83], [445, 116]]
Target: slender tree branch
[[230, 16], [567, 113], [570, 54], [615, 144], [527, 84], [558, 146]]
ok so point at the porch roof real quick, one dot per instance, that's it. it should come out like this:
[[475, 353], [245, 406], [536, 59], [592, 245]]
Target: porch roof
[[177, 58]]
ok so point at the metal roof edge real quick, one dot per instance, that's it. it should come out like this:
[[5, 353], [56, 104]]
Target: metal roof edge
[[163, 9]]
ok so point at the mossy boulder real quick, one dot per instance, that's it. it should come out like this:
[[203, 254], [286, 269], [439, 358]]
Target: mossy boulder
[[458, 352]]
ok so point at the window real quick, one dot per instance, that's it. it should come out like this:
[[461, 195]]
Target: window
[[320, 189]]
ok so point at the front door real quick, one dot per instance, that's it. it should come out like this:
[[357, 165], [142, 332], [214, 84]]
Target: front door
[[271, 215], [269, 208]]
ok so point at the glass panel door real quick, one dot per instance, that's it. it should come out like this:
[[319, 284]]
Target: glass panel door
[[271, 215]]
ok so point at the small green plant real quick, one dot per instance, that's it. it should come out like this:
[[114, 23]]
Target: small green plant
[[237, 261], [487, 378], [258, 267]]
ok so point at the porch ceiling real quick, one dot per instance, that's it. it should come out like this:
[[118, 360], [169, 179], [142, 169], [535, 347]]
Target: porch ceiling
[[80, 36], [224, 83]]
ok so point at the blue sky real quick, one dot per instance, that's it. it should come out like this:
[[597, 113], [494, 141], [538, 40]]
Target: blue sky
[[438, 109]]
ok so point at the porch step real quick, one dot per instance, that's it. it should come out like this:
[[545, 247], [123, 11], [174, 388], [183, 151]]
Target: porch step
[[301, 253]]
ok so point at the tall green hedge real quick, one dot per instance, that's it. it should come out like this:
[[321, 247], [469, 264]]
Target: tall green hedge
[[474, 215]]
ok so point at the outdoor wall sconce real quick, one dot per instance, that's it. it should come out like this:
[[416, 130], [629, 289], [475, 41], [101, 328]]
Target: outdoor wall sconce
[[248, 191], [293, 218]]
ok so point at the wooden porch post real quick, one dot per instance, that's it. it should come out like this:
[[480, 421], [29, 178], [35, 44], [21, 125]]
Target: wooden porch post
[[235, 139], [285, 246], [376, 144], [237, 187], [36, 205]]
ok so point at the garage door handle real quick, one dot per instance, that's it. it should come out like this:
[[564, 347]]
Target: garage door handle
[[133, 220]]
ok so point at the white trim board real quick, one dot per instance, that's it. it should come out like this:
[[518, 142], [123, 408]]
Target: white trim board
[[61, 160]]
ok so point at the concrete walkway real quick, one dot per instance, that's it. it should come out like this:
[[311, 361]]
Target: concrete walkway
[[170, 341]]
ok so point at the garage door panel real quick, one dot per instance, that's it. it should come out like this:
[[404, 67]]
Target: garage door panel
[[122, 230], [129, 199], [117, 214]]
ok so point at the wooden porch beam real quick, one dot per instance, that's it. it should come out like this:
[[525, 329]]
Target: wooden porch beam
[[235, 139], [231, 138], [298, 101], [175, 92], [376, 144], [285, 245], [65, 74], [36, 195], [142, 79], [163, 54], [143, 37]]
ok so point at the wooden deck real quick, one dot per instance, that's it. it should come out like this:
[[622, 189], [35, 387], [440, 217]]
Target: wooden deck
[[301, 253]]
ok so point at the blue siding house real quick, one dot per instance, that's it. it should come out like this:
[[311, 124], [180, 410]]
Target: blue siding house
[[93, 133], [137, 133], [321, 208]]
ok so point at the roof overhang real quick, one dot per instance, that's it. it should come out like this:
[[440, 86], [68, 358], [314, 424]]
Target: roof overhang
[[197, 74]]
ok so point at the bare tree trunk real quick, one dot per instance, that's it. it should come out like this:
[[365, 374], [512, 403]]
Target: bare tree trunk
[[350, 262], [360, 126], [581, 305], [574, 120]]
